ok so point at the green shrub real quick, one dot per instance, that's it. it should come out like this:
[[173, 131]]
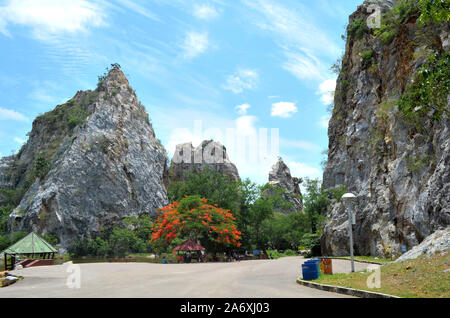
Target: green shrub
[[390, 22], [7, 240], [290, 253], [312, 242], [357, 28], [51, 239], [388, 36], [427, 96], [436, 11], [41, 166], [367, 57]]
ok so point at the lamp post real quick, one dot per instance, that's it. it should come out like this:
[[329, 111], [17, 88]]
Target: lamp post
[[348, 198]]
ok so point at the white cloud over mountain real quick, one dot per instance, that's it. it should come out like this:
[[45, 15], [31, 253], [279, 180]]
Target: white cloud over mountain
[[48, 18]]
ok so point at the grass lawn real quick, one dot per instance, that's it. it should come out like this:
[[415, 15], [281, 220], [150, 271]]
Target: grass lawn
[[368, 259], [421, 277]]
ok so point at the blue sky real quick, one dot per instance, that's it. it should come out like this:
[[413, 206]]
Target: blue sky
[[242, 64]]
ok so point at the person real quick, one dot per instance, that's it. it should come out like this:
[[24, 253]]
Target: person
[[203, 256], [164, 261], [188, 257]]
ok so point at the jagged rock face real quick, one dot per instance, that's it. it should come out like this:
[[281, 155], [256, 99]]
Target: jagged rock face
[[211, 154], [6, 164], [438, 241], [280, 176], [106, 168], [371, 149]]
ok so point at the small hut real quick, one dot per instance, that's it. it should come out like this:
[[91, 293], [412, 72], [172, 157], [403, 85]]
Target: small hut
[[188, 246], [30, 246]]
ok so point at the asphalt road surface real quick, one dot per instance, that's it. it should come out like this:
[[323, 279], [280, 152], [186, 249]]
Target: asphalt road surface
[[246, 279]]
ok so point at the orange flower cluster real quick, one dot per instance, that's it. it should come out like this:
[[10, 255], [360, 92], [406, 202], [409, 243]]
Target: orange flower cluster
[[211, 221]]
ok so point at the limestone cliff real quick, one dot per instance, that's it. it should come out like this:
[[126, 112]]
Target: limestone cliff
[[389, 141], [87, 164], [280, 177], [211, 154]]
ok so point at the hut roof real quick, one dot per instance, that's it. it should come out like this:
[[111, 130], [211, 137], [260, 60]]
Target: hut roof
[[189, 245], [30, 244]]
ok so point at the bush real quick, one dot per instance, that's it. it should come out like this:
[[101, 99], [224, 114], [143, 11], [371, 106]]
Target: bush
[[290, 253], [436, 11], [388, 36], [367, 56], [312, 242], [357, 28], [427, 96], [129, 236], [390, 22], [7, 240], [41, 166]]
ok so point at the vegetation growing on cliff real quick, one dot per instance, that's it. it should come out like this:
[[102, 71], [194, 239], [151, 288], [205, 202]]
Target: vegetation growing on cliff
[[427, 96], [434, 11]]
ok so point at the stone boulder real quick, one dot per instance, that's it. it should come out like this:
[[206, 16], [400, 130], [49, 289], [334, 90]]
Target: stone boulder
[[438, 241]]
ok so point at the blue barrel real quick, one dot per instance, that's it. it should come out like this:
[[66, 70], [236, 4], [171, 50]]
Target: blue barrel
[[316, 264], [309, 271]]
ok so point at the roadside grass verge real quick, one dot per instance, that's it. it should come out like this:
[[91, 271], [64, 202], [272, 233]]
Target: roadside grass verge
[[423, 277], [368, 259]]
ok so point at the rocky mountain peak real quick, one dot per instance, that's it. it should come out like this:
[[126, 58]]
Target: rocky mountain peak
[[115, 78], [209, 153], [280, 176], [87, 164]]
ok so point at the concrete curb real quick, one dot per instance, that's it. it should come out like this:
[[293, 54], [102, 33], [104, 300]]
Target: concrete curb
[[344, 290]]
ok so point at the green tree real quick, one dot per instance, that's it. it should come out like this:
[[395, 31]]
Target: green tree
[[122, 241], [316, 203], [217, 188], [261, 211]]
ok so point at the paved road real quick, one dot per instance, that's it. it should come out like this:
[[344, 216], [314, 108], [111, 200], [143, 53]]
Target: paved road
[[248, 279]]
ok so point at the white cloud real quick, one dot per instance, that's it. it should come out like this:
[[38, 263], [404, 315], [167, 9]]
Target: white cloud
[[323, 122], [19, 140], [138, 9], [245, 125], [326, 90], [242, 109], [195, 44], [51, 17], [205, 12], [243, 79], [303, 170], [297, 35], [239, 144], [304, 66], [299, 144], [283, 109], [9, 114]]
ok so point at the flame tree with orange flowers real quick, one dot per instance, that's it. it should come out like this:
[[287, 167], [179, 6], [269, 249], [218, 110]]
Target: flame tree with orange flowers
[[193, 218]]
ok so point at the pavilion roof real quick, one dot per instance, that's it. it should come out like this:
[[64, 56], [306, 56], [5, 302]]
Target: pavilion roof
[[30, 244], [189, 245]]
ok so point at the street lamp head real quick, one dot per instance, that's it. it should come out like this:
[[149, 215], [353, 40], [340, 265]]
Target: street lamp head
[[349, 197]]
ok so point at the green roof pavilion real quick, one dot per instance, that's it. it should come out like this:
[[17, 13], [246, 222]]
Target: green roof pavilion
[[32, 244]]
